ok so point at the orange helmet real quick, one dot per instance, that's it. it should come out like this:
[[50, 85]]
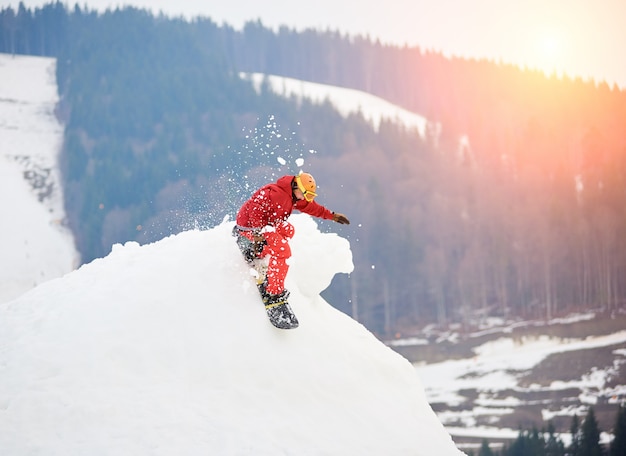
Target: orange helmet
[[306, 184]]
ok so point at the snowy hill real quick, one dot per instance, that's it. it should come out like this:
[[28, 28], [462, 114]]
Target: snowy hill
[[166, 349], [346, 101], [34, 243]]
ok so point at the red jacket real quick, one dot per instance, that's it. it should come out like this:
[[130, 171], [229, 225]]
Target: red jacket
[[273, 203]]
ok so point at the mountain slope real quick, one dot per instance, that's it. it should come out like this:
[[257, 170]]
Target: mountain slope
[[34, 243], [346, 101], [165, 349]]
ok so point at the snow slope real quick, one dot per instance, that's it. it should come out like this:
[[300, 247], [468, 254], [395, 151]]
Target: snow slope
[[34, 244], [346, 101], [165, 349]]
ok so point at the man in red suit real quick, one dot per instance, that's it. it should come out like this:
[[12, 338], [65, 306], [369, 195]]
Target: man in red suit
[[262, 228]]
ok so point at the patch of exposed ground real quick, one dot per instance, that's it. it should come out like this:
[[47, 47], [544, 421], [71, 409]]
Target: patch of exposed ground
[[434, 352], [569, 366]]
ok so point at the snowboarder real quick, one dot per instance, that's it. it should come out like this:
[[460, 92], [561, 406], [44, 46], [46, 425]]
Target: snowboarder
[[262, 228]]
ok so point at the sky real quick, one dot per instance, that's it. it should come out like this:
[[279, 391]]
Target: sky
[[576, 37]]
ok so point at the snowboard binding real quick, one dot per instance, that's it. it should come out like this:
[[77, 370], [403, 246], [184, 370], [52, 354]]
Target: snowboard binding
[[277, 308]]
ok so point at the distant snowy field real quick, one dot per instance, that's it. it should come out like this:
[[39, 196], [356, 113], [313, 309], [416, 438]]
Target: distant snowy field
[[347, 101], [34, 244], [496, 368]]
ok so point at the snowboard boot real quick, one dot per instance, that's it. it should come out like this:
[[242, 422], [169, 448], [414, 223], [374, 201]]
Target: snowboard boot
[[277, 299], [278, 309], [272, 300]]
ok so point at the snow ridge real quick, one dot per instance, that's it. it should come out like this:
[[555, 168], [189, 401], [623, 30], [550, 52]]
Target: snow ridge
[[166, 349]]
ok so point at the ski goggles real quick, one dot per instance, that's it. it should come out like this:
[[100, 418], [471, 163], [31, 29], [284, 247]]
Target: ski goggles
[[309, 195]]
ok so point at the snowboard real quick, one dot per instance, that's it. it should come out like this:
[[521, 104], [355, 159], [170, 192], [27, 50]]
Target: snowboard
[[279, 313]]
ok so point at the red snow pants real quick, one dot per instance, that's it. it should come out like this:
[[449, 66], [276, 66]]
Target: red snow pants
[[279, 252]]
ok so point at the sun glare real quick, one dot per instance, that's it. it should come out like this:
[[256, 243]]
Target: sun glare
[[550, 46], [549, 50]]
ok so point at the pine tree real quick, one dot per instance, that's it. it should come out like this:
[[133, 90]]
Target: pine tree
[[554, 445], [484, 449], [538, 443], [590, 436], [574, 448], [528, 443], [618, 445]]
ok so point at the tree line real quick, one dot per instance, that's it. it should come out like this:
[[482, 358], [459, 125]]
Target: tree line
[[510, 204], [585, 440]]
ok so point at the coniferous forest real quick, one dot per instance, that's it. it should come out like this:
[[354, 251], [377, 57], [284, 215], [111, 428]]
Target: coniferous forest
[[584, 440], [511, 204]]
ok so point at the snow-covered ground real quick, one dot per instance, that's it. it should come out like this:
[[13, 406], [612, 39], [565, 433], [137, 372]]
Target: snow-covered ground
[[347, 101], [495, 364], [34, 244], [496, 368], [165, 349]]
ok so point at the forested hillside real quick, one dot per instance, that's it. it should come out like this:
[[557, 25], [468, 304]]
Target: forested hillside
[[512, 204]]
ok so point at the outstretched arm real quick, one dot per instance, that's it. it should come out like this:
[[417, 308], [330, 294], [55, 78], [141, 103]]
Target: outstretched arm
[[317, 210]]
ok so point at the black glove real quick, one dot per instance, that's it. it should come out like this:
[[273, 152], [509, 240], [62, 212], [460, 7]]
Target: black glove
[[340, 218]]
